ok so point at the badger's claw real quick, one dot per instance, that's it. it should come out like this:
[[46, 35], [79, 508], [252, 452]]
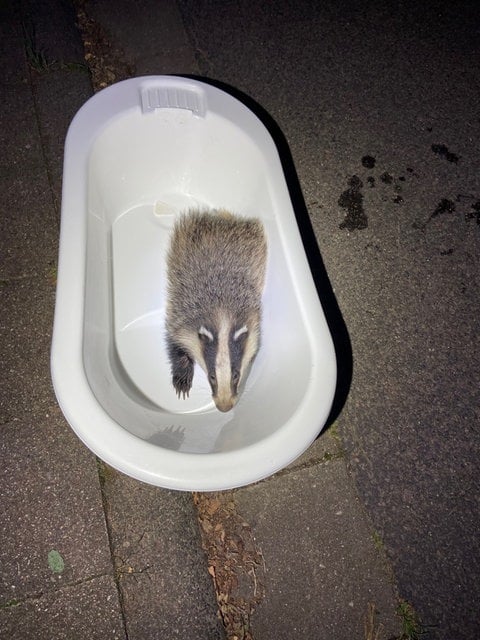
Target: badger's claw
[[183, 382]]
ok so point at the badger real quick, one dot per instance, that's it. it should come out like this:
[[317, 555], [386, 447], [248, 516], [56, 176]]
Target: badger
[[215, 277]]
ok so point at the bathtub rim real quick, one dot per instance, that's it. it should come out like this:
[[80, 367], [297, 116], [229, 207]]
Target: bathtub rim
[[200, 471]]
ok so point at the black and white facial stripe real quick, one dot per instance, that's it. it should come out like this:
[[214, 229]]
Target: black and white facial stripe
[[223, 354]]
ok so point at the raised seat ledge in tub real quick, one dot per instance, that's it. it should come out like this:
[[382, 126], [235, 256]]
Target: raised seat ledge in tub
[[136, 155]]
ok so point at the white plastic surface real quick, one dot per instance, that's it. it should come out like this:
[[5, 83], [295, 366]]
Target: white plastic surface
[[130, 168]]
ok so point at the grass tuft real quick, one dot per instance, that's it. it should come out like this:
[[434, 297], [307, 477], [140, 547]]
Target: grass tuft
[[38, 59], [372, 630], [412, 629]]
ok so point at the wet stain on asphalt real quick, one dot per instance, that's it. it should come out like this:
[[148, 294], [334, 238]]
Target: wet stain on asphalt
[[475, 214], [444, 206], [386, 178], [443, 151], [368, 162], [352, 200], [448, 206]]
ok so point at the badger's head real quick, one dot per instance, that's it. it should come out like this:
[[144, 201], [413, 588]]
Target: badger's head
[[227, 348]]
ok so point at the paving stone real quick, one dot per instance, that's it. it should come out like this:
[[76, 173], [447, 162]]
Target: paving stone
[[166, 590], [327, 446], [25, 330], [52, 529], [28, 226], [322, 567], [85, 611], [51, 28], [59, 94], [158, 45]]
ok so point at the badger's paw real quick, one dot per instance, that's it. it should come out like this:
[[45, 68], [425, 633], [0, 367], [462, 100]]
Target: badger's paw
[[182, 381], [182, 369]]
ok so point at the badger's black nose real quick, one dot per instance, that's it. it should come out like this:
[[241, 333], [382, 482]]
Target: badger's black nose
[[225, 404]]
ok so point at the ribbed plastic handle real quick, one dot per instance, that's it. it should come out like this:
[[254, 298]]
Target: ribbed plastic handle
[[172, 97]]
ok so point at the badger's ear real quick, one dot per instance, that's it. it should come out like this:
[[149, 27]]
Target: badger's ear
[[204, 333], [240, 332]]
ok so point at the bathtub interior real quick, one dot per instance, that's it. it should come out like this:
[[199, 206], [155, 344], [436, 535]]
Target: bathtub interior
[[143, 170]]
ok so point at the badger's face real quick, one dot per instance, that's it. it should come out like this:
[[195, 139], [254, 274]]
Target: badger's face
[[227, 350]]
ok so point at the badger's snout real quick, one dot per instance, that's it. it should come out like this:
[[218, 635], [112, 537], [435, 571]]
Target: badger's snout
[[227, 350], [225, 404]]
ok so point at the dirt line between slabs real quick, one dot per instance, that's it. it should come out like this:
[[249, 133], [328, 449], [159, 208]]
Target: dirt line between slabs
[[235, 562], [106, 62]]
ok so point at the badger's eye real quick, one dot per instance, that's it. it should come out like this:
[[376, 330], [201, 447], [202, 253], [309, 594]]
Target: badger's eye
[[235, 376], [212, 377], [240, 333], [205, 335]]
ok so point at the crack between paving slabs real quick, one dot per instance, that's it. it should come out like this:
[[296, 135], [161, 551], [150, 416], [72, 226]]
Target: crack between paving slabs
[[106, 62], [235, 562], [37, 595]]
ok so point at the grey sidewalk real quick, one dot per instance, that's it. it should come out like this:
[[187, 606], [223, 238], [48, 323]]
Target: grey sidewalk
[[89, 553]]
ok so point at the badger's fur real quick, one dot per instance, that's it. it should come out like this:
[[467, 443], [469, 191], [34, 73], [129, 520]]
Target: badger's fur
[[216, 271]]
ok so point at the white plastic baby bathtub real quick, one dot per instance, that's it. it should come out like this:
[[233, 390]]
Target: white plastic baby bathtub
[[136, 155]]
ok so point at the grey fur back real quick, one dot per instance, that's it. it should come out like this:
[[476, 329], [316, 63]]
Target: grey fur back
[[216, 261]]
